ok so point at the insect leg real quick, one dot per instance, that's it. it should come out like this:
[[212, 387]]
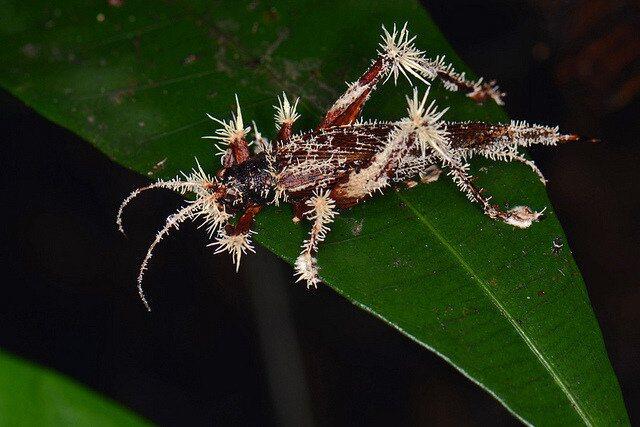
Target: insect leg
[[233, 146], [322, 212], [237, 239], [478, 136], [477, 90], [501, 142], [397, 55], [405, 152], [519, 216], [527, 162], [347, 108]]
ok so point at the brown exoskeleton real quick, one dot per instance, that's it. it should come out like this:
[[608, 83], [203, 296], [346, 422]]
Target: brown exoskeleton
[[345, 161]]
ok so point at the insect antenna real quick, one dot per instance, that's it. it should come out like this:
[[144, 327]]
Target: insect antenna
[[173, 221]]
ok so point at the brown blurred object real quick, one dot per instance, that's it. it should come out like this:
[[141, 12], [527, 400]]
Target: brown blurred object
[[596, 53]]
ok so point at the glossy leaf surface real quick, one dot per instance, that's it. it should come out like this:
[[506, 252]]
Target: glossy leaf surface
[[31, 395]]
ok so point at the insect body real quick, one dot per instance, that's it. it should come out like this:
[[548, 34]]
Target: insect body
[[346, 160]]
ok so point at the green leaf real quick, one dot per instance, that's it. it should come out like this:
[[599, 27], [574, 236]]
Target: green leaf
[[31, 395], [493, 301]]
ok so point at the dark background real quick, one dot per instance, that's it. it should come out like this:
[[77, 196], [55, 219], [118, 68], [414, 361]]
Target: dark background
[[254, 349]]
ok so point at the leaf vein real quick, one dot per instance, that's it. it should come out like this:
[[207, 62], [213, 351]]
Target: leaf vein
[[536, 352]]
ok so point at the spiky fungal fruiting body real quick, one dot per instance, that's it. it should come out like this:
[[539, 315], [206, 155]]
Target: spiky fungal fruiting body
[[346, 160]]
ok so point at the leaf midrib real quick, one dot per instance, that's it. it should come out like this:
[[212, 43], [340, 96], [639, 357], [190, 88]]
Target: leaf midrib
[[502, 310]]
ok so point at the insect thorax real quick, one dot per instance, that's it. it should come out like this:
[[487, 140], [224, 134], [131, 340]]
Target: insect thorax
[[250, 183]]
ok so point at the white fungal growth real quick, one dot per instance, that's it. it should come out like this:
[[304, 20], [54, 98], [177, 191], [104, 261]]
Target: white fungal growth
[[260, 143], [231, 132], [173, 221], [354, 91], [525, 134], [322, 213], [346, 159], [323, 209], [306, 270], [405, 58], [197, 182], [522, 216], [205, 206], [214, 216], [429, 130], [286, 113], [236, 244]]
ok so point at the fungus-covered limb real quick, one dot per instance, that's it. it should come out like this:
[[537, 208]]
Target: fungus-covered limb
[[322, 212]]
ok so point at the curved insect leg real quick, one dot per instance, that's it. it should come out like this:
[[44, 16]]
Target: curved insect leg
[[519, 158], [236, 239], [322, 212], [398, 55], [478, 90], [519, 216], [398, 48], [233, 146]]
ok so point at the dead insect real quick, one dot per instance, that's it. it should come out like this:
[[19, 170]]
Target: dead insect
[[346, 160]]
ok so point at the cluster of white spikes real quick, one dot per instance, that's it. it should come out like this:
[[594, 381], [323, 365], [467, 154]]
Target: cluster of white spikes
[[425, 122], [405, 58], [285, 111], [232, 131], [322, 212], [237, 245]]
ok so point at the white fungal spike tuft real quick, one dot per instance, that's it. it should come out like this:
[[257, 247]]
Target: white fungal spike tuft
[[231, 132], [285, 112], [427, 125], [323, 208], [405, 58], [306, 270], [236, 244]]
